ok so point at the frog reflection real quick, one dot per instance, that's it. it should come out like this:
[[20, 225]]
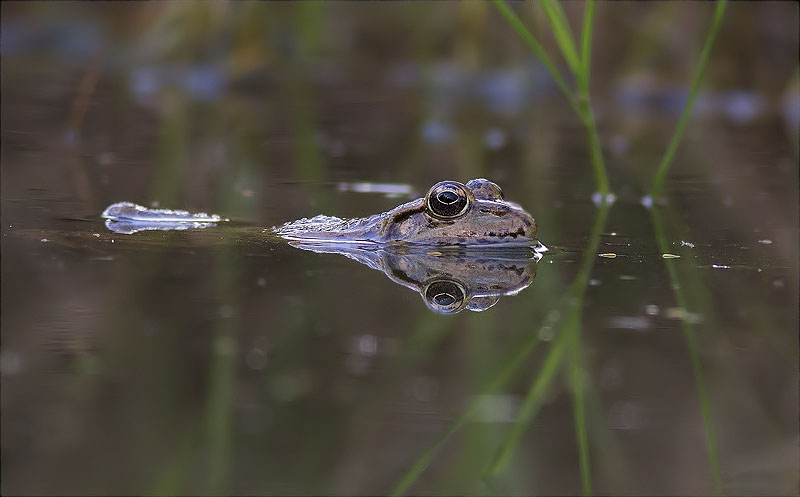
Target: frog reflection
[[449, 280]]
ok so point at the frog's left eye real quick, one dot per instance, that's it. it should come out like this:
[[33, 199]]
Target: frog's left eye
[[448, 200]]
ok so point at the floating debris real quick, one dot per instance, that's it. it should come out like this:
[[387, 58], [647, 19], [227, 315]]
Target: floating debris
[[640, 323], [670, 256], [683, 314], [597, 198], [651, 310], [720, 266], [609, 255], [103, 258], [391, 190], [765, 242], [647, 201], [687, 244]]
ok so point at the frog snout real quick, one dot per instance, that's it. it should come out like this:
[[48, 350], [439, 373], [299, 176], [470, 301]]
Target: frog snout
[[528, 225], [506, 219], [531, 231]]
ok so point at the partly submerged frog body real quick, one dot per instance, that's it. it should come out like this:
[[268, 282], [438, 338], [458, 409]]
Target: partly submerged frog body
[[451, 213]]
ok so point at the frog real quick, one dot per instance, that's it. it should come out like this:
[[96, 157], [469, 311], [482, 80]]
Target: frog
[[461, 246], [450, 213]]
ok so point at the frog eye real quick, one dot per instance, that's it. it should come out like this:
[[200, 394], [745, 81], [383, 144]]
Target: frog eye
[[447, 200], [445, 296]]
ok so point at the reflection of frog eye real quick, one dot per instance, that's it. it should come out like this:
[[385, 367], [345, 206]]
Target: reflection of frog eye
[[447, 200], [445, 296]]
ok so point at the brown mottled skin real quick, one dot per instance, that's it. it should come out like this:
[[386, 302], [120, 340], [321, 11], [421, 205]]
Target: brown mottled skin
[[487, 220]]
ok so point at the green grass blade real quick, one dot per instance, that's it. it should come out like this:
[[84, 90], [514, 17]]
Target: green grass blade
[[586, 46], [587, 115], [666, 161], [537, 49], [578, 411], [528, 409], [558, 23], [502, 378], [582, 108], [598, 165], [656, 191], [691, 342], [175, 474], [532, 401]]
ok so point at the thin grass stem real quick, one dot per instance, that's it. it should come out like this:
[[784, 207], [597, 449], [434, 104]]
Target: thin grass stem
[[578, 411], [598, 164], [530, 406], [581, 105], [586, 45], [558, 22], [571, 327], [666, 161], [516, 23], [499, 380], [656, 191], [691, 342]]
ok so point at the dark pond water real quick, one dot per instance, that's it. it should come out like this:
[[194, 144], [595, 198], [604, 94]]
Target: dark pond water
[[225, 360]]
